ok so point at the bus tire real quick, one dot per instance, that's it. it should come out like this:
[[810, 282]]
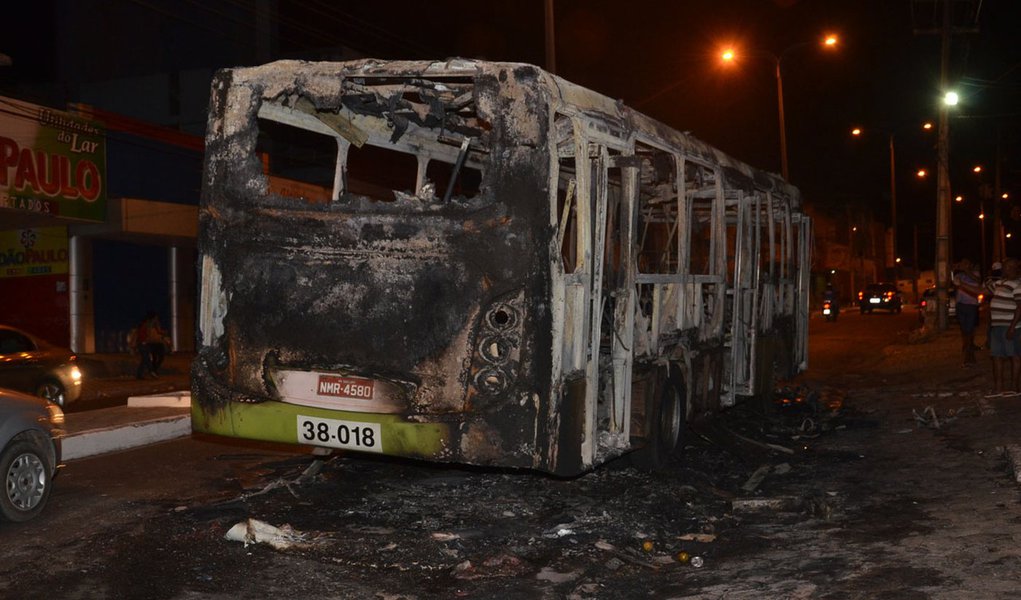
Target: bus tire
[[666, 422]]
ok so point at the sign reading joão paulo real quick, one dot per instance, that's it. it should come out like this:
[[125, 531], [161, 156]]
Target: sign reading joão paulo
[[36, 251]]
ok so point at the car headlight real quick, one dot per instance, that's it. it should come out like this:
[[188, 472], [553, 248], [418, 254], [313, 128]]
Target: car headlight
[[76, 374]]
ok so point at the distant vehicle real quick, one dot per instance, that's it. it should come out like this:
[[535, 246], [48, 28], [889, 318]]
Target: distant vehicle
[[927, 304], [30, 433], [830, 310], [883, 296], [34, 366]]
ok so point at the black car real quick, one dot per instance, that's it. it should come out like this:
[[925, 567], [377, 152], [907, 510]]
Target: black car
[[880, 295]]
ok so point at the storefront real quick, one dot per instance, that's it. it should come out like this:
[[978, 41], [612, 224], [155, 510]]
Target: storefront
[[97, 226]]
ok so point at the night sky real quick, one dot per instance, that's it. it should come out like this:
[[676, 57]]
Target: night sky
[[659, 57]]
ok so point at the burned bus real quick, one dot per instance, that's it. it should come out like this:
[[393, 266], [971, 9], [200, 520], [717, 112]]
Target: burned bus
[[481, 263]]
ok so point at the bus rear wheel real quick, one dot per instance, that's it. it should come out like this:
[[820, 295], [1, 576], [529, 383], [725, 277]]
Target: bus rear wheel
[[665, 422]]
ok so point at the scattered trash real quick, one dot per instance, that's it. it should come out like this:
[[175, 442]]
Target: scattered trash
[[697, 562], [683, 557], [927, 418], [548, 574], [440, 536], [756, 479], [627, 557], [648, 545], [306, 476], [253, 531], [780, 503], [766, 445], [558, 532], [782, 469], [464, 570], [703, 538]]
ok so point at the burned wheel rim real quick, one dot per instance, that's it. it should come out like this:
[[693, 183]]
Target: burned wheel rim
[[670, 418], [26, 481]]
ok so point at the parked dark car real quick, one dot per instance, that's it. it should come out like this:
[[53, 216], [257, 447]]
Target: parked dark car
[[31, 365], [883, 296], [30, 433]]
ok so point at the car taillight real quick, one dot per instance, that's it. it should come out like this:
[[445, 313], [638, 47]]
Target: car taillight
[[861, 295], [889, 295], [924, 303]]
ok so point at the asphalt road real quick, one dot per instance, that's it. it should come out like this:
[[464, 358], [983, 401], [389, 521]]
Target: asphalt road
[[866, 502]]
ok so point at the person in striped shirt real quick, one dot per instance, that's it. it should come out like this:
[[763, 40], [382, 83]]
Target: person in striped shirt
[[1004, 342]]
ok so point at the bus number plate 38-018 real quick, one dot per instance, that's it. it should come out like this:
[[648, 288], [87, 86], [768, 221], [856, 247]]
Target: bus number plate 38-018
[[335, 433]]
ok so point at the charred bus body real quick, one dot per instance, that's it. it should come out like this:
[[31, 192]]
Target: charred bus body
[[482, 263]]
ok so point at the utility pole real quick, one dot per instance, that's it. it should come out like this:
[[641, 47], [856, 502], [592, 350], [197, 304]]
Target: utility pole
[[946, 30], [551, 46], [998, 250], [943, 179]]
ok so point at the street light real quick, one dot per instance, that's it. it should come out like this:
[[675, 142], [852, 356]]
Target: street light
[[730, 55], [857, 132]]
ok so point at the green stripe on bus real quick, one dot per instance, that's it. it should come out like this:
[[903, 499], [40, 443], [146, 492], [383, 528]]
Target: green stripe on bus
[[277, 422]]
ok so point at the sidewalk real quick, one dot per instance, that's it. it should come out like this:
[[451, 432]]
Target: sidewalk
[[156, 409]]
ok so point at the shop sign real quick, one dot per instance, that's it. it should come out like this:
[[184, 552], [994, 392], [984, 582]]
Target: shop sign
[[37, 251], [51, 162]]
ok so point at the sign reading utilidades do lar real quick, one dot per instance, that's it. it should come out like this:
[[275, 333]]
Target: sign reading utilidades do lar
[[51, 162]]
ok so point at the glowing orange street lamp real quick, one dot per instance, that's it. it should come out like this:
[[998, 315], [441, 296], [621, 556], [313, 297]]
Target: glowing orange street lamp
[[977, 169], [959, 199], [922, 173], [730, 55], [927, 126]]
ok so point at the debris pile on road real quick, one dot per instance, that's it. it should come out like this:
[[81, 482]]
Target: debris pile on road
[[484, 526]]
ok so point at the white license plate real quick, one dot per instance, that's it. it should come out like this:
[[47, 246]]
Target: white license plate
[[875, 300], [335, 433]]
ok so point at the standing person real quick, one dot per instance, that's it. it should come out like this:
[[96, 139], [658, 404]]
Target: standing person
[[1004, 342], [150, 343], [969, 288], [989, 284]]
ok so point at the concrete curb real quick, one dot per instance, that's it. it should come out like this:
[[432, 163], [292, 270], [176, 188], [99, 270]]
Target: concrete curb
[[130, 435], [170, 399], [145, 420]]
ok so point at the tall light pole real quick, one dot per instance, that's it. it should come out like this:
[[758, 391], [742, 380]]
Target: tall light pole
[[730, 55], [943, 176], [857, 132]]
